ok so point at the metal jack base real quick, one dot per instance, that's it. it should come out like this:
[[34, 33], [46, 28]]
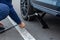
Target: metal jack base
[[7, 29], [40, 18]]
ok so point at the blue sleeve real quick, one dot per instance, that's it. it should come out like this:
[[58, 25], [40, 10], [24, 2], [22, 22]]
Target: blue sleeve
[[14, 16]]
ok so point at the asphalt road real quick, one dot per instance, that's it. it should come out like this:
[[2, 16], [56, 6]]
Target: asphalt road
[[33, 27]]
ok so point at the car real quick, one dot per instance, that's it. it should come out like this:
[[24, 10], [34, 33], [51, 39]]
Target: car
[[29, 8]]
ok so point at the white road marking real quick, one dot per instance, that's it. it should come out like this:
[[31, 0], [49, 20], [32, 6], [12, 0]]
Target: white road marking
[[23, 32]]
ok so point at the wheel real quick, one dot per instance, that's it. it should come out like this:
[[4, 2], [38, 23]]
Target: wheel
[[26, 10]]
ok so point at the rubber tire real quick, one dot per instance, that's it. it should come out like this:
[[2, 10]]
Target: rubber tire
[[30, 11]]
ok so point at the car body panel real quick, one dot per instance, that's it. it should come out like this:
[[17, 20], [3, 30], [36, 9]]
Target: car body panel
[[49, 6]]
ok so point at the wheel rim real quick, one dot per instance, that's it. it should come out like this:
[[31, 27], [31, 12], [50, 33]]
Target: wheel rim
[[24, 7]]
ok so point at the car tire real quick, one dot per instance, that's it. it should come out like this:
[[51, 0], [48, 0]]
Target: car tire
[[26, 10]]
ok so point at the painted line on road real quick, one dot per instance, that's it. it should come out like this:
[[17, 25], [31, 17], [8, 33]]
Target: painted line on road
[[23, 32]]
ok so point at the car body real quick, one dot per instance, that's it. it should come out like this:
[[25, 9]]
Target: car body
[[48, 6]]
